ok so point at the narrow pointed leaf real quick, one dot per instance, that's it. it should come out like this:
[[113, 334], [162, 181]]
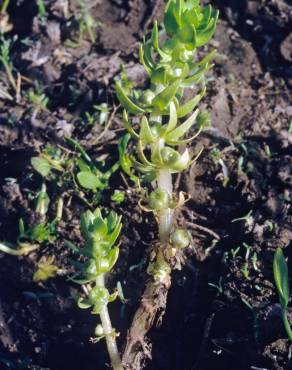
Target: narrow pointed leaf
[[128, 126], [143, 62], [188, 107], [155, 36], [147, 48], [186, 141], [197, 76], [146, 135], [126, 102], [183, 128], [281, 276], [142, 155], [172, 118], [163, 99], [115, 234]]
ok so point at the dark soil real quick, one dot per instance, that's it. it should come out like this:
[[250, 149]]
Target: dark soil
[[235, 326]]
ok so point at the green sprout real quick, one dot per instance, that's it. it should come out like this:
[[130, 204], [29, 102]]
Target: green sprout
[[248, 219], [219, 287], [281, 277], [41, 10], [86, 24], [170, 58], [74, 173], [90, 176], [38, 99], [31, 238], [5, 48], [100, 253], [100, 114], [218, 158]]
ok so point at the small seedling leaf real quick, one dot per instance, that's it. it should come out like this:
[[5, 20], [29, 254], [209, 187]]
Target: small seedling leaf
[[89, 181], [281, 276], [41, 165]]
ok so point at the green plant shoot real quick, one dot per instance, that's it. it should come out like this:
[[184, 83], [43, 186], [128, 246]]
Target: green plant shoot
[[169, 56], [100, 235]]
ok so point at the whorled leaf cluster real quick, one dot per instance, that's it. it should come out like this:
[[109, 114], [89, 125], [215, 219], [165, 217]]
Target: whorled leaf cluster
[[100, 234], [170, 58]]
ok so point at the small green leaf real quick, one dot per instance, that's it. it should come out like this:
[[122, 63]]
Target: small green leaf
[[89, 181], [126, 102], [183, 128], [113, 257], [188, 107], [118, 196], [125, 161], [83, 303], [170, 21], [21, 227], [281, 277], [41, 165], [83, 166], [172, 118], [197, 76], [163, 99], [115, 233], [128, 126], [143, 62], [205, 35], [154, 36], [146, 136]]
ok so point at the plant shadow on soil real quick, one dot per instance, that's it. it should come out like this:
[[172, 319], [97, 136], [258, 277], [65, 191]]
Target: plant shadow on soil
[[202, 329]]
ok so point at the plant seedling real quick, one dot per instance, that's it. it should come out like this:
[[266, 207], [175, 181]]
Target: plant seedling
[[74, 173], [100, 253], [38, 99], [33, 237], [100, 114], [281, 277], [86, 23], [5, 49], [45, 269]]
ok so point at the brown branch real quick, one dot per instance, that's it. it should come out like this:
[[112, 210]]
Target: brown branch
[[151, 309]]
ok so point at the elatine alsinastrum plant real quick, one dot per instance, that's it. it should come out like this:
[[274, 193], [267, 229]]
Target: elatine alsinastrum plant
[[167, 121]]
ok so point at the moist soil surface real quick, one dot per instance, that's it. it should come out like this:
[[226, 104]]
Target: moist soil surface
[[222, 310]]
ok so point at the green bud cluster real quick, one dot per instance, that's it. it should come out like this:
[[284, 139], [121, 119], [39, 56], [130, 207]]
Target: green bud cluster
[[172, 66], [100, 234]]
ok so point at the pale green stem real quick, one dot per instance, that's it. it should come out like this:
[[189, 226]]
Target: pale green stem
[[42, 203], [109, 333], [165, 218], [4, 248], [164, 182], [60, 206], [21, 251]]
